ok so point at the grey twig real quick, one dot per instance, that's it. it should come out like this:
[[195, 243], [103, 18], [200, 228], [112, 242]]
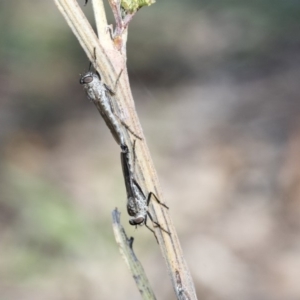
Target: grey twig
[[135, 267]]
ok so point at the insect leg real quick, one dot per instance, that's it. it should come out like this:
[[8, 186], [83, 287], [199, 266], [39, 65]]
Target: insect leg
[[157, 200], [117, 81], [151, 193], [148, 213], [145, 222], [134, 155], [156, 224], [129, 129], [118, 117]]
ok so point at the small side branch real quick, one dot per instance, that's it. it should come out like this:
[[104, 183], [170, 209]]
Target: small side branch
[[135, 267]]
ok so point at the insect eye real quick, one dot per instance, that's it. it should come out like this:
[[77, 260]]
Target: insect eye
[[86, 79], [136, 221]]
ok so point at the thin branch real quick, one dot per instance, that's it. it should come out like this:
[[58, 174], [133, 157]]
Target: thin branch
[[120, 33], [135, 267], [100, 17], [109, 63]]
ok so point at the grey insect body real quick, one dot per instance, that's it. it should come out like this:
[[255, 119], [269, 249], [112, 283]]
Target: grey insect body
[[137, 202], [101, 95]]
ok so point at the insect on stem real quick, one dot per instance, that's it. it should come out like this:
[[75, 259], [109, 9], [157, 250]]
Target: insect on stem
[[137, 202], [98, 92], [103, 98]]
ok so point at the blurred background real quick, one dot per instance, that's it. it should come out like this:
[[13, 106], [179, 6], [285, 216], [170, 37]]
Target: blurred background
[[216, 85]]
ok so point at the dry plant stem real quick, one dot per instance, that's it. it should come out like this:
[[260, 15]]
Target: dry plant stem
[[109, 63], [135, 267], [106, 53], [100, 17]]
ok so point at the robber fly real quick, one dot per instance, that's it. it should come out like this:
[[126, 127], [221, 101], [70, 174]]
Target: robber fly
[[137, 202], [103, 98], [101, 95]]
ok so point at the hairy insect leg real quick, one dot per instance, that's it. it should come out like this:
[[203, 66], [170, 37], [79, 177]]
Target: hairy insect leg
[[157, 200], [134, 154], [145, 222], [155, 223], [95, 57], [123, 123], [129, 129], [117, 81], [112, 91], [148, 213]]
